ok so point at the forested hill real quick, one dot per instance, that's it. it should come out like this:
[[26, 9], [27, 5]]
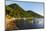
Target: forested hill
[[16, 11]]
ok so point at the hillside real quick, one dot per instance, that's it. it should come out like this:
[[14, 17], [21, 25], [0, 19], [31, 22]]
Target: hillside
[[16, 11]]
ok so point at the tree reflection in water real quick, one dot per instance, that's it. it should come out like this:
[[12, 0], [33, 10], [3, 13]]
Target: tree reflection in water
[[29, 24]]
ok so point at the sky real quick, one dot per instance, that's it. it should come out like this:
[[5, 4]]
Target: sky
[[37, 7], [27, 0]]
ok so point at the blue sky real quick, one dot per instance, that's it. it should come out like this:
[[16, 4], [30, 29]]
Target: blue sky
[[34, 6], [28, 0]]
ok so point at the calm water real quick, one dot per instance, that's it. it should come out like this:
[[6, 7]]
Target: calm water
[[33, 24]]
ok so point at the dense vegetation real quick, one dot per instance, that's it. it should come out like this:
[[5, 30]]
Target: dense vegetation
[[16, 11]]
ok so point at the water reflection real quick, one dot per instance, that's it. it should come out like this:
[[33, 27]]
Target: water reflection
[[30, 23]]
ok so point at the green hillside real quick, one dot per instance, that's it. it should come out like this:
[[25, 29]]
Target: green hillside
[[16, 11]]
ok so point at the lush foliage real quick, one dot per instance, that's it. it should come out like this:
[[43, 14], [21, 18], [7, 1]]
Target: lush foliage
[[15, 10]]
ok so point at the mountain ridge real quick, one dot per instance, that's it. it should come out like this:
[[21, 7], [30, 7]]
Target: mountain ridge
[[15, 10]]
